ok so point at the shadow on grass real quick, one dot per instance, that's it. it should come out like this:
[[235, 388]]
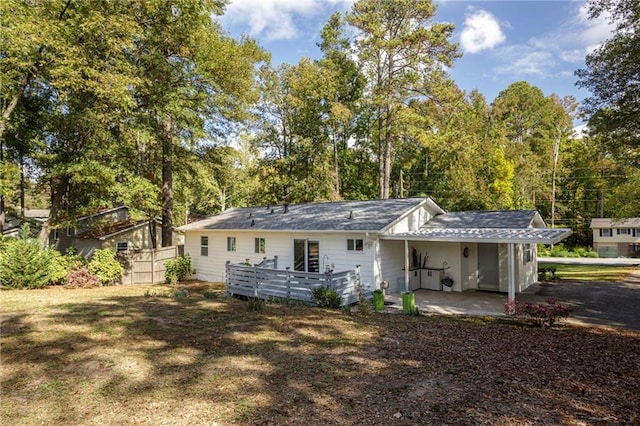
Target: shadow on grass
[[153, 360]]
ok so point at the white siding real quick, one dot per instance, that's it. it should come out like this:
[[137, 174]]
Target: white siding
[[469, 266], [412, 222], [333, 252], [391, 264]]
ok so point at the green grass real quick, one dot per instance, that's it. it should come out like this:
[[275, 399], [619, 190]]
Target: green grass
[[589, 272]]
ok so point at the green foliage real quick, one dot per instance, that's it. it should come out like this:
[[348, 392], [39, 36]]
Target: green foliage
[[105, 266], [326, 298], [25, 265], [178, 269], [559, 250], [255, 304]]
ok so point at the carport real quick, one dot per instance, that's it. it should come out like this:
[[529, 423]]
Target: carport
[[516, 240]]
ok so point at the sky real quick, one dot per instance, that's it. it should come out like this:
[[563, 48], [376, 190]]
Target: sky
[[542, 42]]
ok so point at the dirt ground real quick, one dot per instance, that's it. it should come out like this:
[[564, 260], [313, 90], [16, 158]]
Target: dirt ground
[[132, 355]]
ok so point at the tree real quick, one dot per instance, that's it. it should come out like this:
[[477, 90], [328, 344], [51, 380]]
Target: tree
[[401, 51], [611, 74]]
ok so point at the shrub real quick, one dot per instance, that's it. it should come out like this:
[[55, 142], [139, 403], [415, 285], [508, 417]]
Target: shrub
[[256, 304], [81, 277], [178, 269], [544, 315], [326, 298], [24, 264], [105, 266]]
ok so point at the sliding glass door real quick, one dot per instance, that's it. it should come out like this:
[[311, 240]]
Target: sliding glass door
[[306, 255]]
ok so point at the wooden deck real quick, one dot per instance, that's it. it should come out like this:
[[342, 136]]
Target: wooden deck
[[268, 283]]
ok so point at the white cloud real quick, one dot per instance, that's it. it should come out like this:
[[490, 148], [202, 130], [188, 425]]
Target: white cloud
[[521, 60], [274, 19], [577, 37], [481, 32]]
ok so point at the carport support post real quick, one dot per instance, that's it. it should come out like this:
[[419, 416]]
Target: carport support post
[[512, 272], [406, 266]]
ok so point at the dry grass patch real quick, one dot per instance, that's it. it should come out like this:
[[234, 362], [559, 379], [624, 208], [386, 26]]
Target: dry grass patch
[[115, 355]]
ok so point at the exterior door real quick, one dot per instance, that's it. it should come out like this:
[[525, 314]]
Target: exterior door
[[488, 272], [306, 255]]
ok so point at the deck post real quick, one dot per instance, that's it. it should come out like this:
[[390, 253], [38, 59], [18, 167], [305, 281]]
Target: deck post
[[406, 266], [227, 279], [275, 262], [288, 282], [255, 281]]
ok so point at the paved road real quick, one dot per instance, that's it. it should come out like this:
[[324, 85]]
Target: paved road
[[614, 304]]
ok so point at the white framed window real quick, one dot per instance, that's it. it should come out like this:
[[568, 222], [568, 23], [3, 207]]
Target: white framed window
[[70, 232], [606, 232], [231, 243], [122, 246], [204, 245], [355, 244], [260, 245], [528, 254], [624, 231], [56, 234]]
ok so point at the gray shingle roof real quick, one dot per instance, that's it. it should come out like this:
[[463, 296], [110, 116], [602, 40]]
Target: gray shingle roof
[[372, 215], [484, 219]]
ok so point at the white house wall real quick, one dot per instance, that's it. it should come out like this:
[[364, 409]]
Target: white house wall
[[391, 264], [413, 221], [333, 252], [469, 266]]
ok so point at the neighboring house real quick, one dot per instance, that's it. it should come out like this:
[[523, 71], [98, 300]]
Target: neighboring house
[[616, 238], [411, 243], [110, 228], [34, 217]]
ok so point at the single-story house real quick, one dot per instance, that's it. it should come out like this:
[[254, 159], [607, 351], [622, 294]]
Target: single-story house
[[409, 243], [616, 238]]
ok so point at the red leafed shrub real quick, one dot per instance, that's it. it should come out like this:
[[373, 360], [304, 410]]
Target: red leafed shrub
[[82, 278], [545, 315]]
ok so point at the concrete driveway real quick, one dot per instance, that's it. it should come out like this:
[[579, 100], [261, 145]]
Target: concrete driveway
[[612, 304]]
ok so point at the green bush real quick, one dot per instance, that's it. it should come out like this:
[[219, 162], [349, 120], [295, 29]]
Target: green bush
[[105, 266], [25, 265], [178, 269], [326, 298]]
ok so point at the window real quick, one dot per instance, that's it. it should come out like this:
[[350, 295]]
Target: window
[[204, 245], [260, 245], [122, 246], [624, 231], [605, 233], [354, 245], [56, 235], [306, 256], [70, 232], [528, 253], [231, 243]]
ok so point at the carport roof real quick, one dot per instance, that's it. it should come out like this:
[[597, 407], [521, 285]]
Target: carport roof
[[485, 235]]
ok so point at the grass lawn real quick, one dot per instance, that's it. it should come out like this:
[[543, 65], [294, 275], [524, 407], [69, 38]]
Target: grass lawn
[[117, 356], [589, 272]]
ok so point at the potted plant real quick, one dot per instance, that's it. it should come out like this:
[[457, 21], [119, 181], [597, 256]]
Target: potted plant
[[378, 300], [408, 302]]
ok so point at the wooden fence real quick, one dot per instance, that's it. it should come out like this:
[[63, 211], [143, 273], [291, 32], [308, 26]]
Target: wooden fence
[[146, 266], [268, 283]]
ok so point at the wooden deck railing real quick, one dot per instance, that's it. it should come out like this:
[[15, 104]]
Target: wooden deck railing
[[267, 283]]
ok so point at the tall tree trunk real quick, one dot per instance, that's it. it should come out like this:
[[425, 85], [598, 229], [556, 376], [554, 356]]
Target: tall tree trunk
[[59, 187], [1, 196], [336, 165], [380, 155], [22, 188], [167, 182], [387, 154]]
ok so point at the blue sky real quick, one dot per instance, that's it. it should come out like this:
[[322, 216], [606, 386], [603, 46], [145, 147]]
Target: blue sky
[[541, 42]]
